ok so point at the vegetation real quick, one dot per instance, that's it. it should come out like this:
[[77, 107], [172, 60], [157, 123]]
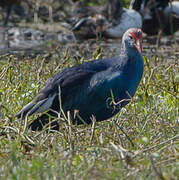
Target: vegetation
[[140, 142]]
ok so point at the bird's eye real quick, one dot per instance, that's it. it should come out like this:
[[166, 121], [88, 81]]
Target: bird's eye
[[131, 38]]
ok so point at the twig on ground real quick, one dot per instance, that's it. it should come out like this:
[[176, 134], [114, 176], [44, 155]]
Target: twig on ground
[[164, 142], [92, 129]]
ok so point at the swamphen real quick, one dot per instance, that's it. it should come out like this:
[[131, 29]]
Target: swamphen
[[99, 88]]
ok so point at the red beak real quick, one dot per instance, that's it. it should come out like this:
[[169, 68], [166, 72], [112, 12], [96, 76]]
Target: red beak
[[139, 45], [137, 41]]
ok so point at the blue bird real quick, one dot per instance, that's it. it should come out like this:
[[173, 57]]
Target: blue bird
[[97, 88]]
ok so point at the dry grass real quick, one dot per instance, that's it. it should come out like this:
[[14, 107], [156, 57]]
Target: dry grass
[[140, 142]]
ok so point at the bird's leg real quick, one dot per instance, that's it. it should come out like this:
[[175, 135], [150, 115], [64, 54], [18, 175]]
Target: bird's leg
[[9, 8]]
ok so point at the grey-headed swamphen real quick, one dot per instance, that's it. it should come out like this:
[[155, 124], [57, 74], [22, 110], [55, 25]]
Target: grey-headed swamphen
[[97, 88]]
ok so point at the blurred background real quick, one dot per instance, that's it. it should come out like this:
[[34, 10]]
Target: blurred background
[[30, 27]]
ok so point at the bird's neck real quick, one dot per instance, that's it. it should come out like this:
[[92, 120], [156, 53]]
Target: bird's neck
[[132, 54], [132, 67], [129, 51], [131, 60]]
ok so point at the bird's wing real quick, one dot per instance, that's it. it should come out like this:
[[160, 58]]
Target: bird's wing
[[68, 80], [71, 77], [108, 83]]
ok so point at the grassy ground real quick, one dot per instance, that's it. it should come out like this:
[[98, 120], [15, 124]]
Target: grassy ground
[[140, 142]]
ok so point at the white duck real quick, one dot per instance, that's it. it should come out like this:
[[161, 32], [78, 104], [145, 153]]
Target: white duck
[[129, 18]]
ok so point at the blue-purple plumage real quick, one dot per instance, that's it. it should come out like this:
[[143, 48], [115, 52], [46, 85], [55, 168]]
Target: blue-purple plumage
[[90, 88]]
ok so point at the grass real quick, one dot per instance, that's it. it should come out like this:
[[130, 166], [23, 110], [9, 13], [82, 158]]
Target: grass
[[140, 142]]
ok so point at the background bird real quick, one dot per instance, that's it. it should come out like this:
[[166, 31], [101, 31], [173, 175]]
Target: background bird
[[158, 15], [122, 19], [9, 4], [99, 88]]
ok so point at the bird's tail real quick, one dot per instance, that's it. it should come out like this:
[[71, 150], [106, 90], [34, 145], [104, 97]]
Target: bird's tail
[[26, 109], [36, 107]]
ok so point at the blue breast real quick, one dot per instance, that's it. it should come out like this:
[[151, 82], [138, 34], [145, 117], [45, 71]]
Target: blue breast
[[112, 85]]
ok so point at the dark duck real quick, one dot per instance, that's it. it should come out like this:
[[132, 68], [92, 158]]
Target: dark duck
[[158, 15], [97, 88]]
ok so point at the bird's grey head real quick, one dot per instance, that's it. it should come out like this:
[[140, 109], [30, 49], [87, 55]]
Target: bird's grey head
[[132, 38]]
